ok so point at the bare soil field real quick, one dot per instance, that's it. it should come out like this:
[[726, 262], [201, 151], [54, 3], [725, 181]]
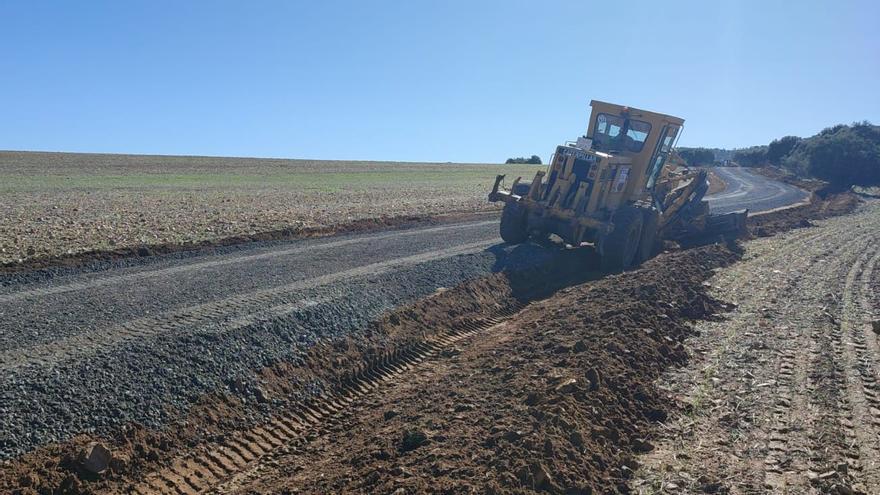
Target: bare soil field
[[64, 204], [782, 396]]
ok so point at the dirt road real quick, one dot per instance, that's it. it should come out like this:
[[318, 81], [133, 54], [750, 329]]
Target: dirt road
[[783, 396], [92, 350], [745, 189], [88, 350]]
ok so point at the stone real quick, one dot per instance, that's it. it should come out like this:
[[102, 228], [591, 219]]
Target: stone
[[95, 458], [594, 378], [413, 439], [567, 386], [540, 476], [642, 445], [512, 436]]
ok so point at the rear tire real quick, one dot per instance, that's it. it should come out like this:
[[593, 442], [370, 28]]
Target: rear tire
[[620, 248], [513, 224], [649, 245]]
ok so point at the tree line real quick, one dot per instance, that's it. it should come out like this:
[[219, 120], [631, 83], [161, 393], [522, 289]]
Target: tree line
[[533, 160], [842, 155]]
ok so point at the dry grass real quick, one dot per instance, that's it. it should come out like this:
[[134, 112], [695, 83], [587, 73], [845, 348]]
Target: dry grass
[[63, 203]]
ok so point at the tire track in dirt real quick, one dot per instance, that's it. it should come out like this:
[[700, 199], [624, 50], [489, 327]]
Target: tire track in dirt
[[786, 418], [765, 261], [244, 308], [239, 457], [792, 462], [860, 363], [770, 427]]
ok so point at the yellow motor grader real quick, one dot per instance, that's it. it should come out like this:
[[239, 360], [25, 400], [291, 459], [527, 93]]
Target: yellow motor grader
[[616, 188]]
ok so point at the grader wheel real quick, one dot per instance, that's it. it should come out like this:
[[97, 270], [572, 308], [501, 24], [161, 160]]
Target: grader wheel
[[649, 245], [620, 248], [513, 224]]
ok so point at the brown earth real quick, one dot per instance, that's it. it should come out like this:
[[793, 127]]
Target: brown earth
[[767, 224], [783, 395], [56, 469], [557, 399]]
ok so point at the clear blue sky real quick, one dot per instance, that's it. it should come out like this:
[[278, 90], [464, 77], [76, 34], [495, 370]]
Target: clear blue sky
[[422, 80]]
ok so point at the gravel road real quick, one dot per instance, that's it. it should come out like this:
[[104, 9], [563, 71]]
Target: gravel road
[[90, 349], [753, 191], [785, 394]]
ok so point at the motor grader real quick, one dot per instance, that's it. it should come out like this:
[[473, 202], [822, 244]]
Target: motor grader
[[616, 188]]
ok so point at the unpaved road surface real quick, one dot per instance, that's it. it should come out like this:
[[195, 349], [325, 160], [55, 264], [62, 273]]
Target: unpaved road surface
[[90, 351], [783, 395], [87, 350], [745, 189]]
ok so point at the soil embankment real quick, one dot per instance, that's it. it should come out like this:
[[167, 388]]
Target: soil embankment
[[559, 398]]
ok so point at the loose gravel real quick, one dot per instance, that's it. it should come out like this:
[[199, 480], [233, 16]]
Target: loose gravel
[[149, 380]]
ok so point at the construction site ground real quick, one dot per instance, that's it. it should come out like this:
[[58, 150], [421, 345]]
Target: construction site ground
[[773, 390], [726, 368]]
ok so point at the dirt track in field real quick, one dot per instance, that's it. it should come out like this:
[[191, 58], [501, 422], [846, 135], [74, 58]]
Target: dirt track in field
[[784, 395]]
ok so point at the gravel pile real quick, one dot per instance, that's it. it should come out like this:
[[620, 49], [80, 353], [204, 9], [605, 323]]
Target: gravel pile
[[150, 380]]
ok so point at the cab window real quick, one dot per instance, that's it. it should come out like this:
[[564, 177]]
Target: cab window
[[615, 133], [661, 153]]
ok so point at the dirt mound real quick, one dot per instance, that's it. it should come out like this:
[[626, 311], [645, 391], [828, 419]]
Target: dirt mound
[[559, 399], [765, 225]]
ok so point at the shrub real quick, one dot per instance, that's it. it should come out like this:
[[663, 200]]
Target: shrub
[[697, 156], [751, 157], [533, 160], [780, 148], [842, 155]]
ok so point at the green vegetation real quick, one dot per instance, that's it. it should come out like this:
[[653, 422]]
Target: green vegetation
[[843, 155], [697, 156], [63, 203], [780, 148], [23, 172], [754, 156], [701, 155], [533, 160]]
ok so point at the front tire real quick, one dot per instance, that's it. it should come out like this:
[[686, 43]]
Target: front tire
[[649, 245], [513, 224], [620, 248]]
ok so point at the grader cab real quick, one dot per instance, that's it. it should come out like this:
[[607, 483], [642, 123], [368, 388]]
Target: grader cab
[[615, 188]]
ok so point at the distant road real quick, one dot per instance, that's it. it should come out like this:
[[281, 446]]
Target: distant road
[[753, 191]]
